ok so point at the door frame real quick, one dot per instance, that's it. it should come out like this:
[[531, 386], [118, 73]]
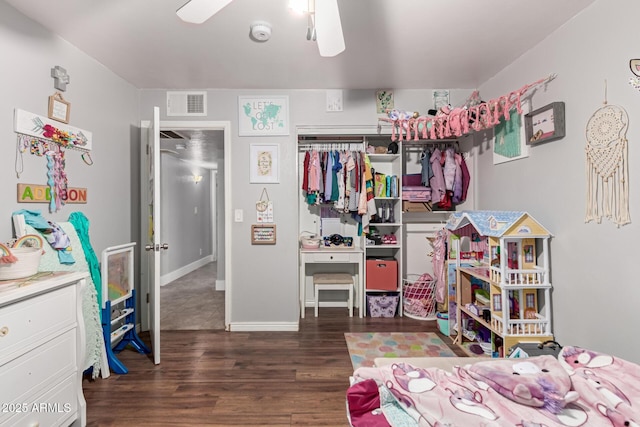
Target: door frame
[[225, 126]]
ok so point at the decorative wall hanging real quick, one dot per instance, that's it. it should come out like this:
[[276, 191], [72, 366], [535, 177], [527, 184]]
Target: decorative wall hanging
[[263, 116], [43, 137], [545, 124], [44, 128], [384, 101], [334, 100], [263, 163], [60, 78], [262, 234], [59, 109], [475, 115], [34, 193], [509, 142], [607, 165], [264, 208], [440, 99]]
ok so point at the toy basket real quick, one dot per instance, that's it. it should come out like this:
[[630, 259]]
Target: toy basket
[[419, 296], [22, 260]]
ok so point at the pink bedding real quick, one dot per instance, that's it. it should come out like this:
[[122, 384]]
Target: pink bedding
[[579, 388]]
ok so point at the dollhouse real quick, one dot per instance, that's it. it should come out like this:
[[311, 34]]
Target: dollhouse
[[501, 292]]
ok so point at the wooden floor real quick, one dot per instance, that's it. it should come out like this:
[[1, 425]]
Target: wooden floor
[[217, 378]]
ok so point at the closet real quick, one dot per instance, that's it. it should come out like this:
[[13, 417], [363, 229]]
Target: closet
[[402, 226]]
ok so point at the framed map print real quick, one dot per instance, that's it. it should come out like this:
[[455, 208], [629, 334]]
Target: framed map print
[[263, 116]]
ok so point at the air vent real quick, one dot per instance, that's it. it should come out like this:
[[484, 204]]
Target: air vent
[[186, 104], [169, 134]]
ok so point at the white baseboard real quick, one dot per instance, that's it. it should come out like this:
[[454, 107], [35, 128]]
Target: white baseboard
[[220, 285], [264, 327], [183, 271]]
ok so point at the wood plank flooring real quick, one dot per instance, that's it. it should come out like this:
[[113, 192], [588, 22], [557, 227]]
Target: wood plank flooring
[[218, 378]]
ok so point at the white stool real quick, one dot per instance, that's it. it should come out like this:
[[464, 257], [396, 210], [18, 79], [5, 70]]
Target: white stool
[[333, 282]]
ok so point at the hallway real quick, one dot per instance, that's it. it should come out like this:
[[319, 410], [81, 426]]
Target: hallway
[[192, 303]]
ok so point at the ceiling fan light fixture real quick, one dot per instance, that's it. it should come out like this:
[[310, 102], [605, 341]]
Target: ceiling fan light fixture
[[299, 7], [328, 28], [198, 11]]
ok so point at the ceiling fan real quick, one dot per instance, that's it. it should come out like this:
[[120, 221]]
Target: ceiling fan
[[325, 26]]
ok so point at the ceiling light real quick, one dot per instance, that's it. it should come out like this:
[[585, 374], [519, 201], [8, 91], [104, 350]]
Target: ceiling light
[[299, 6]]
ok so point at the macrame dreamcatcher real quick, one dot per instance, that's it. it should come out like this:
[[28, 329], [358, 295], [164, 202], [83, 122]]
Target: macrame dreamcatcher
[[607, 166]]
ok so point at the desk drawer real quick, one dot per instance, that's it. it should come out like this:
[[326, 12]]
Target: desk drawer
[[333, 257], [28, 323], [37, 370]]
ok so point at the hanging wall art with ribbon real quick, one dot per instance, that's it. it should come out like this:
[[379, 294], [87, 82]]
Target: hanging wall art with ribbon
[[264, 208]]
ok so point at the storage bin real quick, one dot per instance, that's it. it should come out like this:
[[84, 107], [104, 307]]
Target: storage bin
[[21, 260], [382, 305], [419, 296], [382, 274], [443, 323]]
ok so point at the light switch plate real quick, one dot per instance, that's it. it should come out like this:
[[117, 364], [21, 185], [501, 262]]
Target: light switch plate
[[238, 215]]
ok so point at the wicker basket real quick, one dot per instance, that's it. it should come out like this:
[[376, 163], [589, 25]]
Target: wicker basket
[[419, 296], [22, 260]]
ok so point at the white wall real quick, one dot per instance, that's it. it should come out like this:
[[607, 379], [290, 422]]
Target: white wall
[[265, 277], [596, 291], [101, 102]]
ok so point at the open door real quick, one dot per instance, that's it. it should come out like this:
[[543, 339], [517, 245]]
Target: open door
[[153, 245]]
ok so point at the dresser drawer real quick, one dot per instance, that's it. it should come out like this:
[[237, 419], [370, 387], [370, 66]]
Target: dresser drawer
[[333, 257], [30, 322], [41, 368], [57, 407]]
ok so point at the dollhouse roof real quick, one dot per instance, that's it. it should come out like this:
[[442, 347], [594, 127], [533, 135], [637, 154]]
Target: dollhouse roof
[[493, 223]]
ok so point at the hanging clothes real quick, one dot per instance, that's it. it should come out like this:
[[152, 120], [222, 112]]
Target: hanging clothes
[[437, 182]]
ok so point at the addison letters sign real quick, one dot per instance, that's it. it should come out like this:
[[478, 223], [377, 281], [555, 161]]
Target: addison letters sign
[[32, 193]]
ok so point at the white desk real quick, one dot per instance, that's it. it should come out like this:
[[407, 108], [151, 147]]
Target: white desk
[[336, 255]]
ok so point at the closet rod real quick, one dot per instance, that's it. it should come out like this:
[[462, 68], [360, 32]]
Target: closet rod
[[321, 146]]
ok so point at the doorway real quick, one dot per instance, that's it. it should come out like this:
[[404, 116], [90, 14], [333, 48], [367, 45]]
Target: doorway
[[204, 148]]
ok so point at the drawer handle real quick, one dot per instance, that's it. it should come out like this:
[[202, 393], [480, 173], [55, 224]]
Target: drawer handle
[[4, 331], [331, 257]]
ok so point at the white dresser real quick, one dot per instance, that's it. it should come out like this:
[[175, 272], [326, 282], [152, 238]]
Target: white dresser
[[42, 346]]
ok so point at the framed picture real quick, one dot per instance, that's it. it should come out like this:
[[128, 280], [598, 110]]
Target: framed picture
[[509, 142], [262, 234], [384, 101], [59, 109], [545, 124], [263, 116], [263, 163]]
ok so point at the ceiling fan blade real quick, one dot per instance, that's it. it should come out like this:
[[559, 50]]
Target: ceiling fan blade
[[198, 11], [328, 28]]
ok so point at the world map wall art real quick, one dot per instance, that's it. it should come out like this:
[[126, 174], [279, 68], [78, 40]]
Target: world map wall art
[[263, 115]]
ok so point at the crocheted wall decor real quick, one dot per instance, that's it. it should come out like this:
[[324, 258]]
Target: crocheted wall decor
[[607, 166]]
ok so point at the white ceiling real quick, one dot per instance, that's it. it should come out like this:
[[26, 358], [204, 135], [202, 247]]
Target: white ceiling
[[390, 44]]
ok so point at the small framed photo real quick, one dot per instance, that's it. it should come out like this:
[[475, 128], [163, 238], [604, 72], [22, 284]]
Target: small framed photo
[[59, 109], [545, 124], [263, 163]]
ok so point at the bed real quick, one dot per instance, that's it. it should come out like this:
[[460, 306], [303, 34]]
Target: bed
[[578, 388]]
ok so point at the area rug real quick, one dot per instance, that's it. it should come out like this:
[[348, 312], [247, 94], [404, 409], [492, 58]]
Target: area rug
[[365, 347]]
